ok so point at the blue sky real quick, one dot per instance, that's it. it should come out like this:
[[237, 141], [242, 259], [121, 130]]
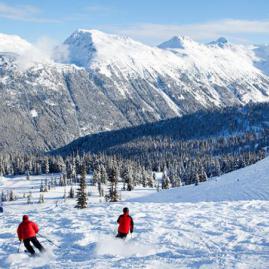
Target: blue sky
[[150, 21]]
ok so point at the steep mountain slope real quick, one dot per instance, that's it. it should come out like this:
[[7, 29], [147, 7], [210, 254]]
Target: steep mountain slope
[[50, 105], [131, 141], [111, 82]]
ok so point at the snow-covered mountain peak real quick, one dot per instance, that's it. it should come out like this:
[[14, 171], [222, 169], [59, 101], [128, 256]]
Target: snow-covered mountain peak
[[94, 49], [13, 44], [177, 42], [84, 44], [221, 42]]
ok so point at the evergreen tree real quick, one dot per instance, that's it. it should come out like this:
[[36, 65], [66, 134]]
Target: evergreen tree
[[64, 194], [103, 174], [12, 196], [41, 199], [3, 197], [29, 198], [82, 191], [96, 176], [128, 178], [71, 193], [150, 180], [47, 167], [165, 181], [41, 186], [46, 185], [113, 195], [197, 179]]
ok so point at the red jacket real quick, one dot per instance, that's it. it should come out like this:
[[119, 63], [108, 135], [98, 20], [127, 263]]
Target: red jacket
[[126, 224], [27, 229]]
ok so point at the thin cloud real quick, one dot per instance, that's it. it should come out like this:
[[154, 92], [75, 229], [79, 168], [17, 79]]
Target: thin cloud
[[23, 13], [45, 50], [98, 8], [155, 33], [90, 11]]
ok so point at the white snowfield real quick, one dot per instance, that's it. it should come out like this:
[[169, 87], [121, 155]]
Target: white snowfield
[[222, 223]]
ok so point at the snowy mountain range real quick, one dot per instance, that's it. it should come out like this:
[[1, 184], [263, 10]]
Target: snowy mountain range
[[106, 82]]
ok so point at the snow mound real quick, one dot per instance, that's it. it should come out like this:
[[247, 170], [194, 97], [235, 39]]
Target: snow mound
[[20, 260], [249, 183], [122, 248]]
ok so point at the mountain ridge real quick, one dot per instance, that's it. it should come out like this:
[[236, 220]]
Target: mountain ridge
[[111, 82]]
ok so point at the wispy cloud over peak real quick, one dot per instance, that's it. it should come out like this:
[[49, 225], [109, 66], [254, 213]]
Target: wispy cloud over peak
[[23, 13], [156, 33]]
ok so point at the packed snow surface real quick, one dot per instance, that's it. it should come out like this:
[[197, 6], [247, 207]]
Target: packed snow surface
[[222, 223]]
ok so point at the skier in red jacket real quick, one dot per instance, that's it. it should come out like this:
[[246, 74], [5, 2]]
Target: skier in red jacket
[[27, 231], [126, 224]]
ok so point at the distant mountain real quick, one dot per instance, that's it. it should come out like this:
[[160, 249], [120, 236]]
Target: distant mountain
[[221, 42], [110, 82]]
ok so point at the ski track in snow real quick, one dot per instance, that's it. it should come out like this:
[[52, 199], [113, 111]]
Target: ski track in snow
[[200, 235], [197, 234]]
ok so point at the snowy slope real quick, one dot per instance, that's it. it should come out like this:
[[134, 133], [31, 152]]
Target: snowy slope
[[230, 233], [262, 62], [220, 62], [249, 183]]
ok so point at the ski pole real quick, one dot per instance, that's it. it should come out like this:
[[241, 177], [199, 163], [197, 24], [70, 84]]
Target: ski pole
[[49, 240], [19, 247]]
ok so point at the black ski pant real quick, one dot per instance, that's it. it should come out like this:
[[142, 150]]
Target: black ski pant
[[121, 235], [35, 242]]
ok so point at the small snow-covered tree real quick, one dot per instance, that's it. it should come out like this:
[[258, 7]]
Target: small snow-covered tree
[[3, 197], [64, 194], [41, 199], [29, 198], [165, 181], [47, 166], [12, 196], [103, 174], [71, 193], [128, 178], [113, 195], [197, 179], [96, 176], [41, 186], [82, 196], [27, 175]]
